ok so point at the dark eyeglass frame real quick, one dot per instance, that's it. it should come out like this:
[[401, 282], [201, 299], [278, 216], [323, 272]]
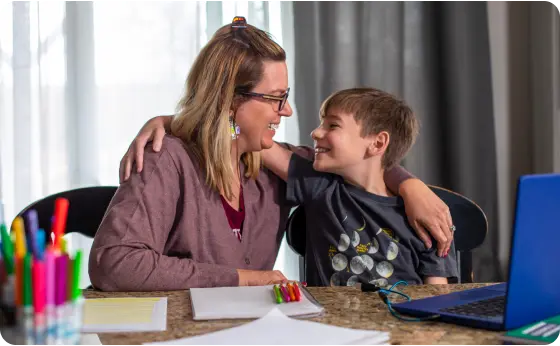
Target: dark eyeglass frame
[[282, 99]]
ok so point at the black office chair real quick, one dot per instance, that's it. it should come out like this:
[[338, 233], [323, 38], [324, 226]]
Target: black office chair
[[469, 219], [85, 212]]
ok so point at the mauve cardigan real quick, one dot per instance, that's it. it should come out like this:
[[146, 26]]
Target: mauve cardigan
[[165, 229]]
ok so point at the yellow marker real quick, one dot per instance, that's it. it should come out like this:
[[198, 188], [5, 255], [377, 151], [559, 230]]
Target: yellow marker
[[18, 229], [63, 245], [19, 233]]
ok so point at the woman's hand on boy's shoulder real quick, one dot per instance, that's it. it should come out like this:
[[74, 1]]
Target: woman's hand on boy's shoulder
[[154, 130], [426, 212]]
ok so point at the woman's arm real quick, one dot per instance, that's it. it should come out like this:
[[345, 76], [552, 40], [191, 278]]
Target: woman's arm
[[154, 130], [426, 212], [127, 253]]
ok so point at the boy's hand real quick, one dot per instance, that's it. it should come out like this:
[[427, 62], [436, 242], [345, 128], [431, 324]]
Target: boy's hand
[[260, 277], [153, 130], [427, 212], [435, 281], [277, 159]]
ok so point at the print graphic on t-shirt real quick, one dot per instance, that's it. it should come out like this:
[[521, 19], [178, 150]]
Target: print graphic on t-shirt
[[390, 234], [352, 260]]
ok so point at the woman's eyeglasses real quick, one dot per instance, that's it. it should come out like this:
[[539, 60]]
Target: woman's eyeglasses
[[281, 99]]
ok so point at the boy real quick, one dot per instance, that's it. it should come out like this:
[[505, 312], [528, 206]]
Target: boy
[[356, 230]]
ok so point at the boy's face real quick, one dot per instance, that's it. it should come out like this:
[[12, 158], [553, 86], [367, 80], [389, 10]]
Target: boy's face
[[339, 145]]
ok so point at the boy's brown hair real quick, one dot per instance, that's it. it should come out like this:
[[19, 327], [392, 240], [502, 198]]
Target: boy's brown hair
[[376, 110]]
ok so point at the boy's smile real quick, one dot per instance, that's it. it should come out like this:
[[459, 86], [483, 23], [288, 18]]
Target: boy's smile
[[338, 143], [320, 150]]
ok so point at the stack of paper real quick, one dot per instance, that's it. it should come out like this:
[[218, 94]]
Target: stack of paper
[[278, 329], [14, 336], [247, 302], [124, 315]]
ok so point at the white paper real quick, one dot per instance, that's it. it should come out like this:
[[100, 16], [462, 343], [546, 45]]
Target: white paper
[[276, 328], [245, 302], [90, 339], [156, 321]]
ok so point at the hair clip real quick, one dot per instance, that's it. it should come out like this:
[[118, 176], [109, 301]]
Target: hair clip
[[239, 23]]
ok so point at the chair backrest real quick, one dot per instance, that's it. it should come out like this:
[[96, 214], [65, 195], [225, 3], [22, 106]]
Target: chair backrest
[[469, 219], [86, 210]]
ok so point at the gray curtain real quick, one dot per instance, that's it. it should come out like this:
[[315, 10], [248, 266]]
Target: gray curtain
[[437, 56]]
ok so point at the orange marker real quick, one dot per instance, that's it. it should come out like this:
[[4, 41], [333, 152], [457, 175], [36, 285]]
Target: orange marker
[[291, 292], [60, 215]]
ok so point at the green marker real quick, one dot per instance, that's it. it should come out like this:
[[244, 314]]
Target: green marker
[[278, 295], [8, 298], [77, 301], [77, 262], [7, 250], [28, 302]]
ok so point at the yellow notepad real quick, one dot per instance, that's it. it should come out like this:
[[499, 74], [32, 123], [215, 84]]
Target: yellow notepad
[[124, 314]]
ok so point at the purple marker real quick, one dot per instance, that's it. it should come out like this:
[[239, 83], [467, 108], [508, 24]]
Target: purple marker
[[32, 226], [60, 297]]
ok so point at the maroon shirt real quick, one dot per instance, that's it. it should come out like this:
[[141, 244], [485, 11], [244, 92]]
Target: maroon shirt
[[235, 217], [165, 229]]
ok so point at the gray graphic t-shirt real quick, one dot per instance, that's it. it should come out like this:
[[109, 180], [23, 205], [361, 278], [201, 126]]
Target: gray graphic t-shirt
[[355, 236]]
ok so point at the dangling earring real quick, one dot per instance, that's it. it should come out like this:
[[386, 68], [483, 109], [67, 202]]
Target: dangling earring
[[234, 129]]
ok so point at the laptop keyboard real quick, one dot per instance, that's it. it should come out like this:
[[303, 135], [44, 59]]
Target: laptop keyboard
[[487, 307]]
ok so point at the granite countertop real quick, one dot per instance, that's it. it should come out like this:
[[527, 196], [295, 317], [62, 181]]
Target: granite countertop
[[345, 307]]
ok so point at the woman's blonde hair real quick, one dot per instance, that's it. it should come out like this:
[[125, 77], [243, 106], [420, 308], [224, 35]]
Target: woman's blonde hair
[[230, 62]]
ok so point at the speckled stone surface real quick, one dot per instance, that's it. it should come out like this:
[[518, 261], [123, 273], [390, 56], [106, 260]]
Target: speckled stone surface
[[345, 307]]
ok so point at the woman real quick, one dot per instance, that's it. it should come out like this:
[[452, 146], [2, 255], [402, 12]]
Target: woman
[[202, 212]]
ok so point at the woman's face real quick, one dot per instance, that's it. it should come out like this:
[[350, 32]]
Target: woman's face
[[257, 117]]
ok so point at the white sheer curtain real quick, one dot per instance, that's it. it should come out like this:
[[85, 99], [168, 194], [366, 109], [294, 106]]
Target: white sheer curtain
[[78, 79]]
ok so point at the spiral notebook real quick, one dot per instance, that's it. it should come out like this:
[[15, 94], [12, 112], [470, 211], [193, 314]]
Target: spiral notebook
[[248, 302]]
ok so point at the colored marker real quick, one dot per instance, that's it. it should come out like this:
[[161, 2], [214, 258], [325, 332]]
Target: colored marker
[[297, 292], [291, 292], [77, 301], [41, 242], [61, 264], [68, 307], [31, 227], [63, 246], [8, 299], [39, 297], [19, 234], [50, 265], [277, 294], [27, 302], [60, 215], [7, 249], [285, 293]]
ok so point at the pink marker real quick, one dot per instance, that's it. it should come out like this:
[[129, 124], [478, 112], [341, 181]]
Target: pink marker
[[39, 298], [285, 293], [50, 259]]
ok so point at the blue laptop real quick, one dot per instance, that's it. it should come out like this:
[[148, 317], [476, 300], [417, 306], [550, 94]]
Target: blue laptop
[[532, 292]]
